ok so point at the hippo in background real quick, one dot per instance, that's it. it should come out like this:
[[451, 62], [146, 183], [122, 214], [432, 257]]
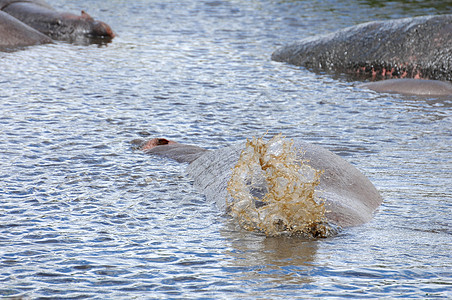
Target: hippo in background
[[409, 86], [419, 47], [55, 25], [15, 34]]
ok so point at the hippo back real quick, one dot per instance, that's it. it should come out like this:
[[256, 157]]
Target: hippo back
[[411, 87], [350, 198], [419, 47], [5, 3], [15, 34]]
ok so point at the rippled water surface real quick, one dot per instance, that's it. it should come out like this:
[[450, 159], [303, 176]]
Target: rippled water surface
[[84, 215]]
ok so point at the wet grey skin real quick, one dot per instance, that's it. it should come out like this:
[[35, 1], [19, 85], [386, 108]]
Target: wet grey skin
[[406, 86], [419, 47], [350, 198], [15, 34], [57, 25]]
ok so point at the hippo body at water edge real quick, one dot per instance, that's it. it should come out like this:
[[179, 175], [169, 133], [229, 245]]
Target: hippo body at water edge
[[419, 47], [15, 34], [57, 25], [408, 86], [350, 198]]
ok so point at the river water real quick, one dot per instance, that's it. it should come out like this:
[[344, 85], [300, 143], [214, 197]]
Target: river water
[[84, 215]]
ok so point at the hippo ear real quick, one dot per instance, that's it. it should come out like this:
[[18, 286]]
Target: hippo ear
[[86, 16]]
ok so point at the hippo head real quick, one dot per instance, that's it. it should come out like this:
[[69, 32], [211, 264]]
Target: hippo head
[[152, 143], [96, 29], [81, 29]]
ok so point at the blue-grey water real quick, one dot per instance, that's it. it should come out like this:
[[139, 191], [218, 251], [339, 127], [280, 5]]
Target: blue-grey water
[[83, 215]]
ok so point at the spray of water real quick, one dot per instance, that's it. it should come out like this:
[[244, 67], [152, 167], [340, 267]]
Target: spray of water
[[273, 192]]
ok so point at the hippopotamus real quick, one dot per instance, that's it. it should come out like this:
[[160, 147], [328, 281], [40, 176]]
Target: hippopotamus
[[14, 34], [57, 25], [409, 86], [349, 197], [419, 47]]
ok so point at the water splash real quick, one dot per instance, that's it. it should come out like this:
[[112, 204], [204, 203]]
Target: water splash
[[273, 191]]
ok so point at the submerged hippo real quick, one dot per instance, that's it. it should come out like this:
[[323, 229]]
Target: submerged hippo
[[349, 197], [418, 47], [57, 25], [411, 87], [14, 34]]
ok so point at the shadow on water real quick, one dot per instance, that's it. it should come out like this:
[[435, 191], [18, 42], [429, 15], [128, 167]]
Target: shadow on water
[[279, 260]]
